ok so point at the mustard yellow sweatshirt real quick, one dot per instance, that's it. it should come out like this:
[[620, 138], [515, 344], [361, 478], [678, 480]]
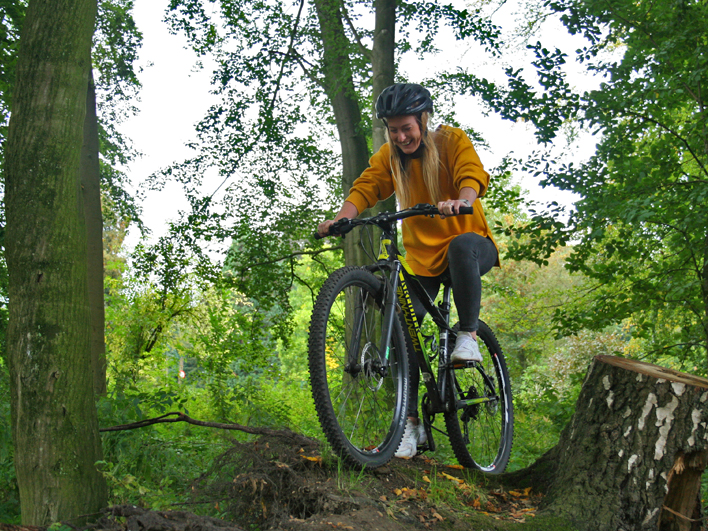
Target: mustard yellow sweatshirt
[[426, 239]]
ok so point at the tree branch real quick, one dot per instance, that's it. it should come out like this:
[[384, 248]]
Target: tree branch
[[312, 291], [364, 50], [290, 48], [293, 255], [257, 137], [181, 417], [307, 69]]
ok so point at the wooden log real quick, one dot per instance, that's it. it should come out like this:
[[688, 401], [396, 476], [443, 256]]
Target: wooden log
[[633, 454]]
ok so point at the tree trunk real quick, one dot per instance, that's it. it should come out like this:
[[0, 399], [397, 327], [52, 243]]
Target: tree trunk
[[91, 188], [383, 69], [55, 427], [342, 94], [632, 456], [383, 60]]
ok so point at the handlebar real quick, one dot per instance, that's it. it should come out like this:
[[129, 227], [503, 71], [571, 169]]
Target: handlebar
[[386, 219]]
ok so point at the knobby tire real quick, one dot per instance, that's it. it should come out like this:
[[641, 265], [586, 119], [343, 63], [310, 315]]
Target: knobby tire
[[481, 435], [361, 407]]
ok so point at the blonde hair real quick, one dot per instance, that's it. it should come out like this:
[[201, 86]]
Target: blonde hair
[[430, 165]]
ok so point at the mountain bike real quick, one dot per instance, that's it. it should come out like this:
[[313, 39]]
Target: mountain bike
[[359, 363]]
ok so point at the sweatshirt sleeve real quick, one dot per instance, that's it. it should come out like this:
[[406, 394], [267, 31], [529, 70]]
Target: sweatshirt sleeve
[[375, 184], [464, 161]]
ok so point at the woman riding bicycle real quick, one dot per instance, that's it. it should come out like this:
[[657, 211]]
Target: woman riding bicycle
[[439, 167]]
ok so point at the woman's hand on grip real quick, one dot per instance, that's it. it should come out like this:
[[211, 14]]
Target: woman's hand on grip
[[451, 207], [323, 228], [348, 210]]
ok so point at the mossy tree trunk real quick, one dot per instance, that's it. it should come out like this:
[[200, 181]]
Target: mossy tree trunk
[[54, 422], [90, 173], [339, 85], [383, 61], [383, 66], [632, 456]]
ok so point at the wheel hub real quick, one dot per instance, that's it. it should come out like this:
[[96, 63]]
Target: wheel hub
[[373, 371], [471, 411]]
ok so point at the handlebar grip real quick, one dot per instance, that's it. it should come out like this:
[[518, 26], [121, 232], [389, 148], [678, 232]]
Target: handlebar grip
[[338, 228], [467, 210]]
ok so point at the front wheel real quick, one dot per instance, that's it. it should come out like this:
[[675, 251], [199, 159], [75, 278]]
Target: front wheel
[[360, 393], [481, 427]]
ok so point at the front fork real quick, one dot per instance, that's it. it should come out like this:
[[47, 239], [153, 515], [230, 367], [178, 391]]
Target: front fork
[[389, 314]]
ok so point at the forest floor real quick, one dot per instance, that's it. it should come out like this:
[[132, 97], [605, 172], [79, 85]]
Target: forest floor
[[275, 483]]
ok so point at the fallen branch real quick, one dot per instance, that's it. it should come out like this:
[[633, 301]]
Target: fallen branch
[[181, 417]]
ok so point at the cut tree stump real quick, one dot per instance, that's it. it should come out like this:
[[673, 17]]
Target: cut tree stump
[[632, 456]]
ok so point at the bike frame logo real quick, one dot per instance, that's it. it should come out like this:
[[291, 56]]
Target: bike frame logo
[[404, 299]]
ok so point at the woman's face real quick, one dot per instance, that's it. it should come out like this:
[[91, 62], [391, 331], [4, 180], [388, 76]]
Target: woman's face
[[405, 132]]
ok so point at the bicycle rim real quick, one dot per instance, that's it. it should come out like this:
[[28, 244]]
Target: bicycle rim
[[481, 434], [360, 404]]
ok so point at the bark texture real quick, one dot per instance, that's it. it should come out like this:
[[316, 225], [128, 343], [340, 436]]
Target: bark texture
[[383, 66], [383, 60], [91, 187], [340, 89], [55, 429], [632, 456]]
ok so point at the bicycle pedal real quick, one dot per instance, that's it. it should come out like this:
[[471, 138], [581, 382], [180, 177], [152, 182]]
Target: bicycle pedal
[[463, 364]]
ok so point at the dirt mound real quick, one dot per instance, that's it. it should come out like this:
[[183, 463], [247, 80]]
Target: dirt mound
[[284, 483], [262, 482], [274, 484]]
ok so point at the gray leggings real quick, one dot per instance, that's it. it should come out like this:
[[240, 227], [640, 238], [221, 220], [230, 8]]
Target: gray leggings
[[469, 257]]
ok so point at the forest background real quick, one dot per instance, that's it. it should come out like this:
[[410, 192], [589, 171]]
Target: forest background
[[210, 315]]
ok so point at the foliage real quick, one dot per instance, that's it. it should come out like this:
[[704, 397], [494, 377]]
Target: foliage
[[239, 331], [231, 374], [9, 495], [519, 301], [11, 16], [115, 51], [641, 224], [152, 467]]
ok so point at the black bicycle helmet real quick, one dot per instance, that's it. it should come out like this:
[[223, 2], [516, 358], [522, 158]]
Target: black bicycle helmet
[[403, 98]]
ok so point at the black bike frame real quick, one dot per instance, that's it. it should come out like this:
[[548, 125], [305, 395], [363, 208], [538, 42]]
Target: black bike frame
[[398, 278], [443, 395]]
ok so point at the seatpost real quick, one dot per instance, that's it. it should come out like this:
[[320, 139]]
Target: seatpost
[[445, 306]]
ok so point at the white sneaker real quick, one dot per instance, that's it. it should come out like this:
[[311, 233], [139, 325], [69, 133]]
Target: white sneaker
[[466, 349], [422, 436], [413, 435]]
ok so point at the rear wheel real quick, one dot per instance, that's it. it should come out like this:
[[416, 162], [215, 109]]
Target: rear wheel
[[360, 399], [481, 428]]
